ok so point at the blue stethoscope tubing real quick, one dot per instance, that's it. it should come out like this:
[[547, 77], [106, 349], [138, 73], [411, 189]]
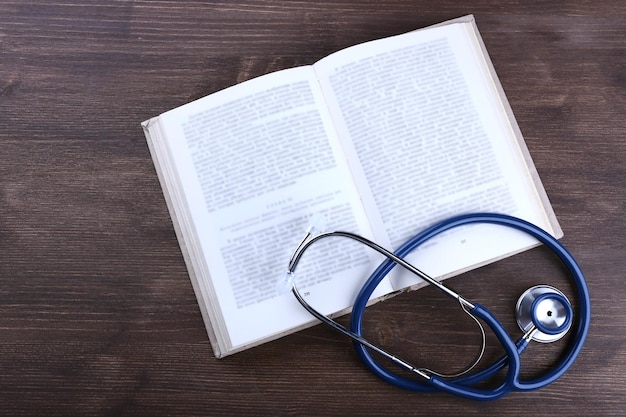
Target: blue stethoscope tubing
[[463, 386]]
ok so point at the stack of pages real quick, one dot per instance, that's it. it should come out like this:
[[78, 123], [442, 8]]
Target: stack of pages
[[381, 139]]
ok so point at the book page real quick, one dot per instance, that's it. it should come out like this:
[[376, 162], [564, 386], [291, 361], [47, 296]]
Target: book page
[[254, 163], [428, 138]]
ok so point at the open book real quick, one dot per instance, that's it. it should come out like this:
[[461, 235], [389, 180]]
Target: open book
[[382, 139]]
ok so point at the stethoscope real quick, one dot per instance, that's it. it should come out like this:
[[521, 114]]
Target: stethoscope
[[543, 314]]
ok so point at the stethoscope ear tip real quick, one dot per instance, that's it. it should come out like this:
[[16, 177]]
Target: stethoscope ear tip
[[545, 309], [284, 284]]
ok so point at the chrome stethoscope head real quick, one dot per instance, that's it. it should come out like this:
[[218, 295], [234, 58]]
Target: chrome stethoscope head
[[544, 312]]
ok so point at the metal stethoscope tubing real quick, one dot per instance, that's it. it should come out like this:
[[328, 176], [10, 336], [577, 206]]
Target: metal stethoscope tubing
[[461, 386]]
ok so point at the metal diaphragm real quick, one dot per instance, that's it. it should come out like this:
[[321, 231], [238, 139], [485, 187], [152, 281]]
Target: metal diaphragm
[[547, 309]]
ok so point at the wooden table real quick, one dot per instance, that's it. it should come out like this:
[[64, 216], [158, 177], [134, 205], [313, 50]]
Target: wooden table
[[97, 314]]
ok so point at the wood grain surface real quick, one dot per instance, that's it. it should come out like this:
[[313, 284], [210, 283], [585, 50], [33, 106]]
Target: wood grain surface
[[97, 314]]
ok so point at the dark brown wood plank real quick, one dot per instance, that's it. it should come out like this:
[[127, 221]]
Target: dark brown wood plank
[[97, 315]]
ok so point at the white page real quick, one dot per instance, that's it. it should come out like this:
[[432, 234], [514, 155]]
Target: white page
[[255, 161], [425, 138]]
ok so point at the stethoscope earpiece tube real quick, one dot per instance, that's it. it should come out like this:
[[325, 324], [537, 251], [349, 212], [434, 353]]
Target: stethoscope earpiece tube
[[512, 360]]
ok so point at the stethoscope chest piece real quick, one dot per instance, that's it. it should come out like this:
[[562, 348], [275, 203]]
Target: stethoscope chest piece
[[547, 310]]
